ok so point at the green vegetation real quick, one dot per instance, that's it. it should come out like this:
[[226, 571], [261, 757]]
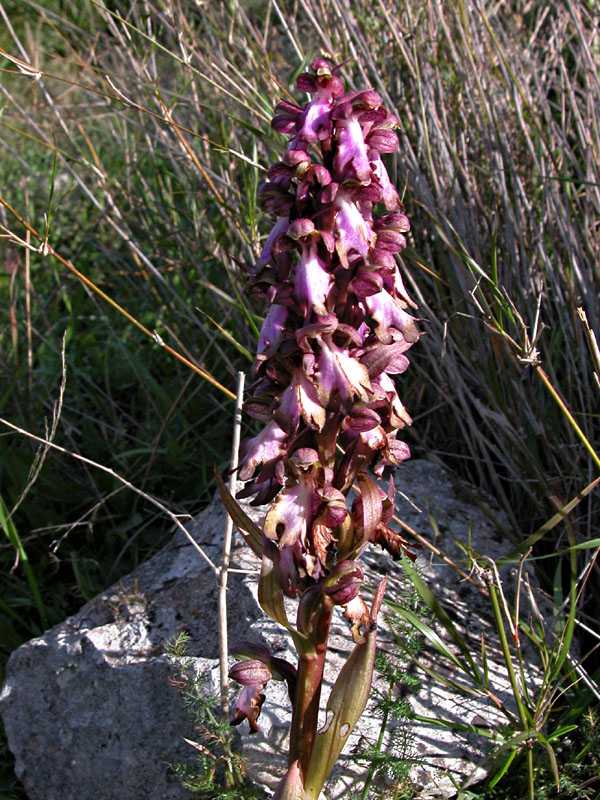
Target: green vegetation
[[388, 772], [218, 773], [132, 140]]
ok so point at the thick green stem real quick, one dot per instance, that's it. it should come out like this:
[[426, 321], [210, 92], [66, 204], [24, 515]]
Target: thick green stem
[[305, 716]]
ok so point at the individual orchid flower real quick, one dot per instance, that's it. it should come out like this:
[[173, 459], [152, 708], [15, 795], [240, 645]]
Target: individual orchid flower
[[336, 335], [253, 676], [272, 330], [339, 374], [279, 229], [312, 281], [300, 400], [392, 320], [388, 190], [266, 447], [351, 155], [354, 232]]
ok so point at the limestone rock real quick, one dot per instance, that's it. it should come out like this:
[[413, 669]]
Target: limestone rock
[[90, 713]]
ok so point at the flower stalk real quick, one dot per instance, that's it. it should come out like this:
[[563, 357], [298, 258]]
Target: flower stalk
[[305, 711], [335, 336]]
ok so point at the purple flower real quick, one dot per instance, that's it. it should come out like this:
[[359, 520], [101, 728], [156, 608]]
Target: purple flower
[[272, 330], [253, 676], [279, 229], [352, 150], [300, 400], [289, 518], [248, 706], [388, 191], [312, 281], [351, 157], [343, 583], [266, 447], [287, 117], [339, 374], [316, 123], [354, 232], [251, 673], [392, 321]]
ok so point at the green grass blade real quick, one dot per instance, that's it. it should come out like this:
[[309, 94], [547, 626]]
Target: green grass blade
[[13, 537]]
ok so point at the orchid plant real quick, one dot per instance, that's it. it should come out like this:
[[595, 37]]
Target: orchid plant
[[337, 330]]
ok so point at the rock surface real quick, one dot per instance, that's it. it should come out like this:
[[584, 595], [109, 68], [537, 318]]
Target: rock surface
[[90, 713]]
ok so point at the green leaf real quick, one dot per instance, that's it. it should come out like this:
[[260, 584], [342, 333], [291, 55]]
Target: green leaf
[[590, 544], [561, 731], [229, 337], [501, 758], [436, 608], [12, 535], [444, 724], [460, 688], [502, 769], [346, 703], [555, 520], [270, 597], [431, 636]]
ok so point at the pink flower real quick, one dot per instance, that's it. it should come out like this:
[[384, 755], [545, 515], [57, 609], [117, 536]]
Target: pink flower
[[337, 329], [392, 321], [312, 281], [266, 447], [272, 329], [353, 232]]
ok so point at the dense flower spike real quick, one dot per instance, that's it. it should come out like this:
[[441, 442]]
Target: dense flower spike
[[338, 324], [338, 327]]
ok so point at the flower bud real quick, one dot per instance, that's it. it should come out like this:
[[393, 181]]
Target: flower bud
[[250, 673], [309, 609], [343, 583], [300, 228]]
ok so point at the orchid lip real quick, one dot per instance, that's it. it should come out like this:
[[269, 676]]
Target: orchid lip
[[312, 281], [352, 151], [273, 328], [353, 231]]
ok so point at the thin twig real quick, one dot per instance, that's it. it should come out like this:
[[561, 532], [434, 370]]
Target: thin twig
[[49, 250], [568, 415], [28, 329], [223, 572], [120, 478], [40, 456], [439, 553]]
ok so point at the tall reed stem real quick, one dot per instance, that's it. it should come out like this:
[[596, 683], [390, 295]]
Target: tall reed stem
[[227, 540]]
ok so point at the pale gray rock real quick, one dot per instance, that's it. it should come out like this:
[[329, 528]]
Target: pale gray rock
[[90, 713]]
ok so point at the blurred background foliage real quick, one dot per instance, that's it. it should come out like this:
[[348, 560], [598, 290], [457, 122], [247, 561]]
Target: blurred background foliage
[[133, 137]]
